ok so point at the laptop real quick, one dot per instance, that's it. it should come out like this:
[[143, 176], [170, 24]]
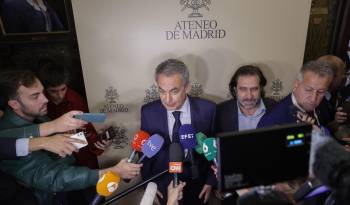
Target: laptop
[[263, 156]]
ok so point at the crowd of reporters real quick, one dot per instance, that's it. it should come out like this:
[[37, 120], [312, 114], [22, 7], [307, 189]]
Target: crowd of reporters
[[36, 152]]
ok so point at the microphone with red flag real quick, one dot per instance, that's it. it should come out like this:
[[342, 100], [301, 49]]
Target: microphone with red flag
[[105, 186], [176, 156], [187, 135], [151, 147], [139, 139]]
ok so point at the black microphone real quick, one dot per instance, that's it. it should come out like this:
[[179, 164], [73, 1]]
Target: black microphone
[[187, 135], [176, 156], [332, 167]]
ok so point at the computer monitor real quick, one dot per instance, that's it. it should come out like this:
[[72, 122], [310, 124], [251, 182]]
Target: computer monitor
[[263, 156]]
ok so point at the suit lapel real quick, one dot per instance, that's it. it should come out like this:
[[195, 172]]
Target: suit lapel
[[234, 118], [194, 110]]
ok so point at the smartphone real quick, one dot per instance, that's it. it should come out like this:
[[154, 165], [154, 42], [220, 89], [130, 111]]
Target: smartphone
[[107, 134], [92, 117]]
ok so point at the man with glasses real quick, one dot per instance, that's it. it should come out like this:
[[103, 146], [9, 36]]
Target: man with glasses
[[304, 103]]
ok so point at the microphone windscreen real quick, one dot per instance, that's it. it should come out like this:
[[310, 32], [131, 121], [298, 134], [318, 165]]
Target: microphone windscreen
[[200, 137], [328, 161], [152, 146], [149, 195], [209, 148], [187, 135], [107, 184], [176, 155], [139, 139]]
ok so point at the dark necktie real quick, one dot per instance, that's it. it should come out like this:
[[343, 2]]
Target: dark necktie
[[176, 127]]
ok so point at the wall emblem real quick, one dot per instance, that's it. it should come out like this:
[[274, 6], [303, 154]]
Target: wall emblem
[[112, 104], [152, 94], [196, 89], [120, 140], [195, 5], [277, 88]]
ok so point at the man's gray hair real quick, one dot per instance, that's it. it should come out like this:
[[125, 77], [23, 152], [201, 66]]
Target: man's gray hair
[[321, 68], [171, 67]]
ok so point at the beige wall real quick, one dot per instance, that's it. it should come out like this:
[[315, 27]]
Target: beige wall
[[121, 42]]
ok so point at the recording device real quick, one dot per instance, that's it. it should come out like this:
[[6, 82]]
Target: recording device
[[176, 156], [200, 137], [263, 156], [139, 139], [332, 167], [150, 193], [210, 150], [91, 117], [105, 186], [187, 136], [151, 147], [108, 134], [79, 136]]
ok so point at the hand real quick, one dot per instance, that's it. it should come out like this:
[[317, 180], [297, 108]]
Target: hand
[[175, 194], [303, 117], [127, 170], [205, 192], [103, 145], [215, 170], [156, 198], [340, 116], [60, 144], [62, 124]]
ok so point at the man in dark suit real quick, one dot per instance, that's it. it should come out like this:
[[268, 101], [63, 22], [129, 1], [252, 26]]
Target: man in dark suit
[[303, 104], [160, 116], [248, 104]]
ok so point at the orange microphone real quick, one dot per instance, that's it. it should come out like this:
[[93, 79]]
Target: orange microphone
[[105, 186]]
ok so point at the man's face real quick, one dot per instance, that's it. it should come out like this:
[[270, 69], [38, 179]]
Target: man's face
[[56, 94], [248, 91], [30, 102], [172, 91], [310, 92]]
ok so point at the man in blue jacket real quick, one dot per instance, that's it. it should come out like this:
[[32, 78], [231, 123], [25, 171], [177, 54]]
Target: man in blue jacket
[[159, 117], [303, 104]]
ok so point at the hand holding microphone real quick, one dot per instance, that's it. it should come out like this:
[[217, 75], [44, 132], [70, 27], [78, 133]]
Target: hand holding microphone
[[126, 170], [105, 186]]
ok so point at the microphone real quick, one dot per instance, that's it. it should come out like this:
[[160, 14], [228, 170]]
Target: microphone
[[176, 156], [210, 150], [200, 137], [151, 147], [105, 186], [332, 166], [187, 135], [139, 139], [150, 193]]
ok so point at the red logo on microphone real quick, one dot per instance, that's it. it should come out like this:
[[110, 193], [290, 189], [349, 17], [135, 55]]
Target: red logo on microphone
[[175, 167]]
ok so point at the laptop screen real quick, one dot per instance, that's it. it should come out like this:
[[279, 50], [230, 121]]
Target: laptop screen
[[263, 156]]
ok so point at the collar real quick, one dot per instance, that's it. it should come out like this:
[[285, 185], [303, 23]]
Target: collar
[[295, 103], [185, 108], [11, 116], [261, 109]]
